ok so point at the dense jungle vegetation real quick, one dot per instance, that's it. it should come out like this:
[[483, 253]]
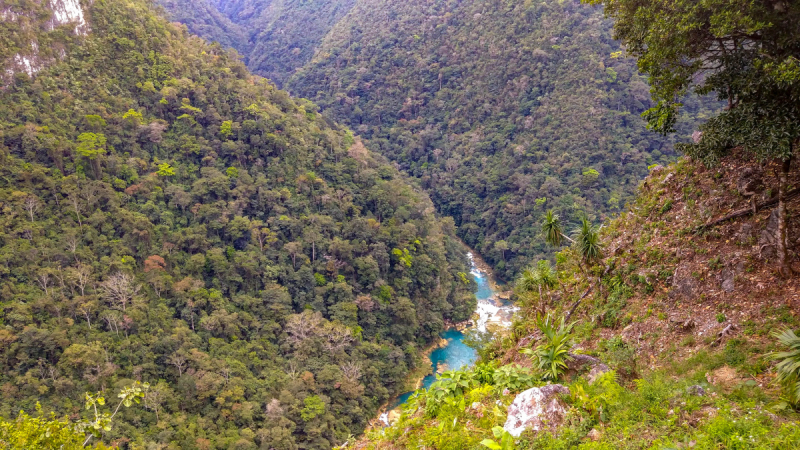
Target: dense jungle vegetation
[[673, 325], [169, 218], [500, 110], [275, 37]]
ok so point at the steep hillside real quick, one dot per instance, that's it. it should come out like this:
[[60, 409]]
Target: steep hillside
[[682, 307], [500, 109], [170, 218], [276, 37], [203, 19], [37, 33]]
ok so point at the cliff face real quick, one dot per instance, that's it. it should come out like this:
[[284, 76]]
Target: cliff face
[[38, 33]]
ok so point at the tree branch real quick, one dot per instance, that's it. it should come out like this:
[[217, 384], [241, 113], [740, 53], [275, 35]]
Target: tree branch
[[747, 211]]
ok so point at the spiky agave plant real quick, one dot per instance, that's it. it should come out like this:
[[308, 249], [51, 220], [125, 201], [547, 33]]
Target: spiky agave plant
[[788, 367]]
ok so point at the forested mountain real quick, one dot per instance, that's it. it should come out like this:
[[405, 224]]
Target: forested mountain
[[169, 218], [500, 109], [276, 37], [203, 18]]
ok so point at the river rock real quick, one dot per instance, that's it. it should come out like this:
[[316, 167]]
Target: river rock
[[536, 409]]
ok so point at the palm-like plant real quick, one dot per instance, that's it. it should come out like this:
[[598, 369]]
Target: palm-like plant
[[551, 356], [547, 276], [528, 280], [587, 237], [789, 364], [535, 277], [551, 227]]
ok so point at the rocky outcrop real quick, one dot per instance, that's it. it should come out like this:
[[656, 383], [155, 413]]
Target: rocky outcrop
[[537, 409], [28, 24], [683, 284], [579, 364]]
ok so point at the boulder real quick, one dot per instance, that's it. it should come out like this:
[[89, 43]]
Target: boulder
[[683, 284], [536, 409], [594, 434], [696, 390], [579, 364], [596, 372], [750, 182], [745, 233], [728, 283]]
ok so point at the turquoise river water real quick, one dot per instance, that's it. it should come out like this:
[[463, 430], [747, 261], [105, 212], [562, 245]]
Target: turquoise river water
[[456, 354]]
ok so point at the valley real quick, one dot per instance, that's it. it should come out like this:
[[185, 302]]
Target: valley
[[383, 224]]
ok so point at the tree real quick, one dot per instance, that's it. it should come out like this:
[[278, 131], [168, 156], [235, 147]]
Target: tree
[[501, 246], [80, 276], [156, 396], [31, 204], [165, 170], [312, 234], [747, 53], [102, 420], [91, 146], [120, 289], [541, 275], [293, 249], [42, 432], [312, 407], [263, 234]]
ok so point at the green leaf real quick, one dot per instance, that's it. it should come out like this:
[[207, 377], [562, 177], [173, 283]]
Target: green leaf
[[491, 444]]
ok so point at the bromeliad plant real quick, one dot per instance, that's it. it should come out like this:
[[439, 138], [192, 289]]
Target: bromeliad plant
[[552, 355], [788, 367]]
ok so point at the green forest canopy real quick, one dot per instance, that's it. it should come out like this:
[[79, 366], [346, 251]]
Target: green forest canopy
[[501, 110], [169, 218]]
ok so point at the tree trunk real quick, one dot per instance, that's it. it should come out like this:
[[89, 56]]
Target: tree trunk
[[784, 266]]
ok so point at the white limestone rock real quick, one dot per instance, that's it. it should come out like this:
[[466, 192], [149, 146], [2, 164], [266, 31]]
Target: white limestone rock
[[536, 409]]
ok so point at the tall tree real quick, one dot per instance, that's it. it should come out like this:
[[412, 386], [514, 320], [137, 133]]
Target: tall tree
[[746, 53]]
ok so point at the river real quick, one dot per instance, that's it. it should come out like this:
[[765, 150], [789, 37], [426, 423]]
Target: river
[[490, 312]]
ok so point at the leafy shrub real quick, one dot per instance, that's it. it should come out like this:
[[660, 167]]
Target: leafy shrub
[[619, 355], [514, 378], [40, 432], [612, 315], [506, 440]]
